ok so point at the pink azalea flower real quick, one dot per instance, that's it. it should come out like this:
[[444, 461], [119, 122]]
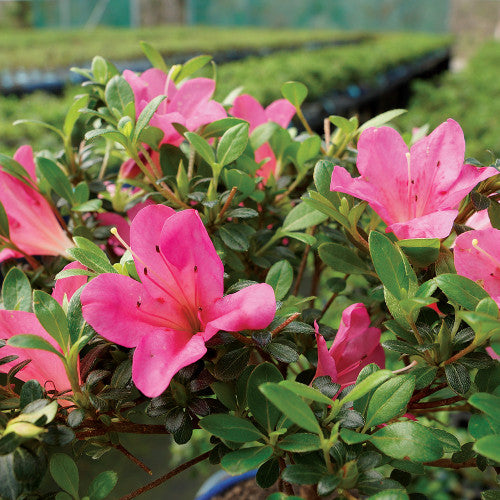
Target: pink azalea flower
[[477, 257], [355, 346], [178, 306], [45, 366], [33, 226], [281, 112], [479, 220], [190, 104], [415, 192]]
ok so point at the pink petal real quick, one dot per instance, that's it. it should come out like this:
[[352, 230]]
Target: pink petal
[[158, 357], [434, 225], [144, 237], [248, 108], [68, 286], [269, 166], [115, 220], [192, 94], [252, 308], [121, 310], [164, 123], [326, 364], [280, 112], [24, 156], [206, 113], [195, 270], [493, 354], [479, 220], [45, 367]]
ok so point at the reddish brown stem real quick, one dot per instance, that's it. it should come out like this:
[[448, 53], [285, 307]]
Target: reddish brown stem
[[435, 404], [460, 354], [167, 476], [228, 202], [92, 430], [285, 323], [449, 464], [286, 487], [427, 392], [133, 458]]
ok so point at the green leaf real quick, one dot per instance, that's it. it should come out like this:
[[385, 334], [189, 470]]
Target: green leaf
[[308, 239], [342, 259], [218, 127], [146, 114], [327, 484], [294, 92], [458, 377], [489, 446], [30, 391], [461, 290], [408, 440], [262, 410], [308, 149], [42, 124], [65, 473], [232, 144], [89, 206], [4, 223], [291, 405], [108, 133], [352, 437], [154, 56], [389, 400], [390, 495], [366, 385], [16, 291], [484, 326], [302, 474], [322, 179], [202, 147], [268, 473], [91, 256], [10, 487], [391, 265], [102, 485], [347, 126], [424, 376], [423, 252], [487, 403], [62, 495], [300, 443], [381, 119], [301, 217], [191, 66], [52, 317], [245, 459], [283, 350], [306, 391], [448, 441], [230, 428], [28, 341], [236, 236], [120, 97], [77, 325], [234, 177], [74, 113], [481, 425], [280, 277], [56, 178]]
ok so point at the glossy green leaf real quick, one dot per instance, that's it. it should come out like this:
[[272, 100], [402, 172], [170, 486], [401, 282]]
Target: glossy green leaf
[[232, 144], [489, 446], [389, 400], [202, 147], [230, 427], [408, 440], [381, 119], [52, 317], [154, 56], [487, 403], [146, 114], [30, 391], [461, 290], [301, 217], [342, 259], [56, 178], [192, 66], [366, 385], [300, 443], [4, 223], [268, 473], [458, 377], [423, 252], [65, 473], [292, 406], [294, 92], [28, 341], [245, 459], [448, 441], [91, 256], [280, 277], [74, 113], [351, 437], [262, 409], [120, 97], [484, 326], [306, 391], [302, 474], [16, 291], [102, 485]]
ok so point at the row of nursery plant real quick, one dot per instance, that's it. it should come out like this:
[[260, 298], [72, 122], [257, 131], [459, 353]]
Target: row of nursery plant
[[49, 48], [260, 76], [187, 264], [456, 94]]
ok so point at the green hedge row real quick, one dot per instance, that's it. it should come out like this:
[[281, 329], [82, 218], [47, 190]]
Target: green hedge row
[[471, 97], [321, 70], [55, 48]]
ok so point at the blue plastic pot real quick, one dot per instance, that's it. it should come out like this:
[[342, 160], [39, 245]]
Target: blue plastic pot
[[220, 482]]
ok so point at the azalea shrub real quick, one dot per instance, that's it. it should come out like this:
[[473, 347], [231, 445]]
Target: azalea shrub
[[321, 306]]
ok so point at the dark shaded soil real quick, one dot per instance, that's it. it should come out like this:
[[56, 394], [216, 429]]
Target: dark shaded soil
[[248, 490]]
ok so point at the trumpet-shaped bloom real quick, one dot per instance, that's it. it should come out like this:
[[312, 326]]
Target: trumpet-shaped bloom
[[179, 303], [281, 112], [477, 257], [415, 192], [45, 366], [355, 346], [33, 226], [190, 104]]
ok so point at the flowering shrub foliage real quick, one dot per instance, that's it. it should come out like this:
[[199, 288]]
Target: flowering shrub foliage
[[235, 276]]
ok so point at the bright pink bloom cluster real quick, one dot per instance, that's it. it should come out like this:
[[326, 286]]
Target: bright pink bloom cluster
[[281, 112], [45, 366], [355, 346], [477, 257], [33, 226], [415, 192], [179, 304], [190, 104]]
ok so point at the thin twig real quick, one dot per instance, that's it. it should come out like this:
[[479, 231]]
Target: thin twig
[[226, 205], [406, 368], [427, 392], [460, 354], [167, 476], [133, 458], [436, 404], [449, 464], [93, 429], [286, 486], [302, 266], [285, 323]]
